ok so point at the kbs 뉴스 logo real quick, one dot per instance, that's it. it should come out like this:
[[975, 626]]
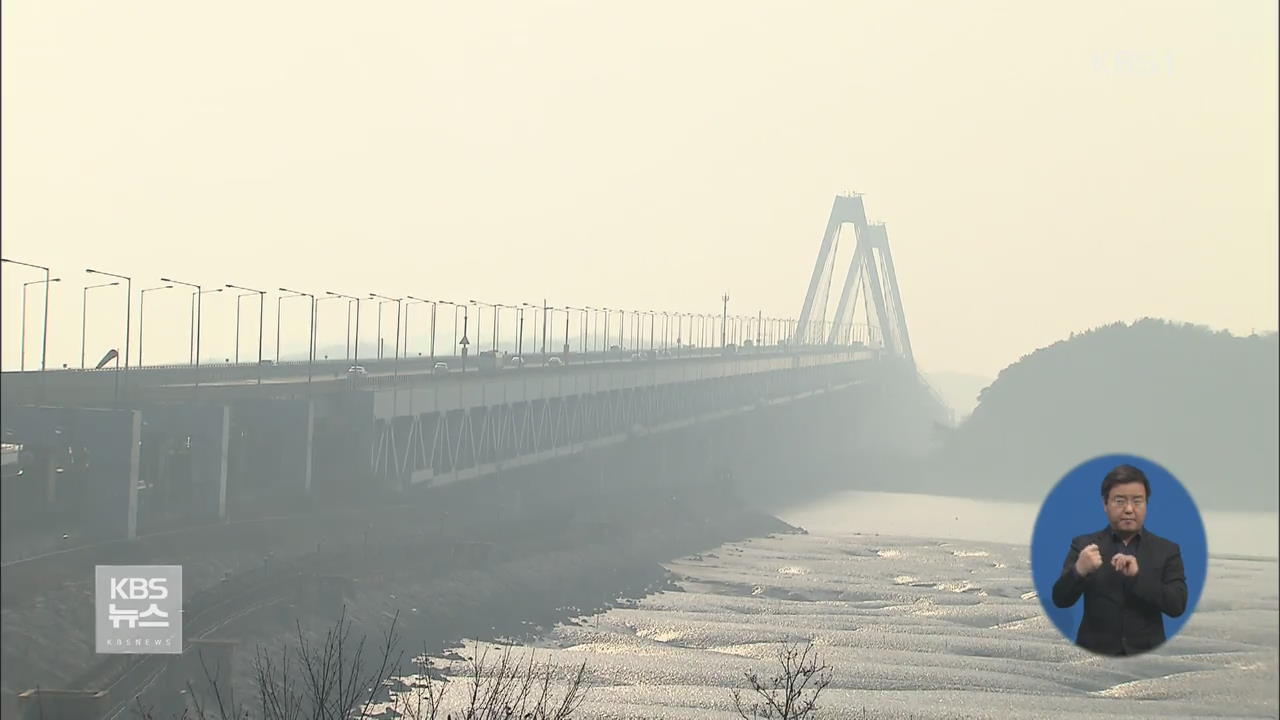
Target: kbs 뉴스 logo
[[138, 609]]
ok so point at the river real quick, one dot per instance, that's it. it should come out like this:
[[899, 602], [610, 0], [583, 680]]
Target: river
[[923, 607]]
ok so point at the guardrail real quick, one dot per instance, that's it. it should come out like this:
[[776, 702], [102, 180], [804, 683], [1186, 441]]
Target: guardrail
[[247, 371], [60, 387]]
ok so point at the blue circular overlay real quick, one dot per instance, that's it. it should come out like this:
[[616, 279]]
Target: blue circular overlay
[[1074, 507]]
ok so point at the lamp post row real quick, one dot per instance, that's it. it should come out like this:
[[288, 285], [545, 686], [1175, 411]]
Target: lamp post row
[[758, 328]]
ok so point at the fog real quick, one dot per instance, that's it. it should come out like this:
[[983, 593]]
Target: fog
[[1040, 172], [498, 344]]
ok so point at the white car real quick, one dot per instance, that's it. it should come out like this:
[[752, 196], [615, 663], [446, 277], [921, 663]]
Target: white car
[[357, 371], [440, 368], [515, 361], [554, 361]]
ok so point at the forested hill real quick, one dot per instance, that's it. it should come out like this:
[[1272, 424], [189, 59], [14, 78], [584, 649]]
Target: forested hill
[[1201, 403]]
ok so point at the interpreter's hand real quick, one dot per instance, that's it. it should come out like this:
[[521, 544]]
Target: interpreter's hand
[[1126, 565], [1090, 559]]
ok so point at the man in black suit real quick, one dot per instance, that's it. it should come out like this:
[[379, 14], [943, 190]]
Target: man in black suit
[[1128, 575]]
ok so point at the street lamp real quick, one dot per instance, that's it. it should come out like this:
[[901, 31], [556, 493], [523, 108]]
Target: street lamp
[[412, 301], [464, 342], [278, 301], [520, 329], [128, 308], [192, 349], [383, 301], [262, 300], [724, 319], [311, 344], [315, 334], [548, 315], [582, 328], [22, 361], [495, 321], [84, 314], [535, 326], [545, 310], [44, 340], [356, 359], [142, 307], [591, 334], [607, 312], [195, 327], [456, 308], [238, 297], [433, 324], [568, 313], [395, 368], [519, 313]]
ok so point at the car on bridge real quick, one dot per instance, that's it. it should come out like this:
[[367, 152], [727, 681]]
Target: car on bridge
[[515, 361], [357, 371], [555, 361], [440, 368]]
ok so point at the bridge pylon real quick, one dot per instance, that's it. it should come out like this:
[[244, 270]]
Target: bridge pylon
[[871, 278]]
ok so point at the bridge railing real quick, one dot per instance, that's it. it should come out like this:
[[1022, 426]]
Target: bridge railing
[[111, 385], [268, 368]]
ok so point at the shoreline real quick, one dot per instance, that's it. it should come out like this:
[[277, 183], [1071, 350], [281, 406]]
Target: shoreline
[[513, 598]]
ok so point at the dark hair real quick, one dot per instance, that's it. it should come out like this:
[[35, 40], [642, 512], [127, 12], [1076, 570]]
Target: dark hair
[[1124, 474]]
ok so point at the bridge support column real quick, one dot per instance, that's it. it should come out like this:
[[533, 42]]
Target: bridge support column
[[209, 463], [103, 482], [203, 433], [295, 433]]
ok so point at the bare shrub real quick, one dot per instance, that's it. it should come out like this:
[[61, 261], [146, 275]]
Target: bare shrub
[[792, 693], [335, 678]]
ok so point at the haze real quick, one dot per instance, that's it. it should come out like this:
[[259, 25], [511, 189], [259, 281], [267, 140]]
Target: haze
[[1043, 168]]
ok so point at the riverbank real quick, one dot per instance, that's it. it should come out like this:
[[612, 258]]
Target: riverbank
[[513, 586]]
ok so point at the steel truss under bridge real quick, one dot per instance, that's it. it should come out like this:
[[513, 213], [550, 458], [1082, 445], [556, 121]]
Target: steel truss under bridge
[[871, 279], [443, 447]]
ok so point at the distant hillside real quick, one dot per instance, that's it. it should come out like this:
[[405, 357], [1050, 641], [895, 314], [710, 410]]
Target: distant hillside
[[960, 391], [1201, 403]]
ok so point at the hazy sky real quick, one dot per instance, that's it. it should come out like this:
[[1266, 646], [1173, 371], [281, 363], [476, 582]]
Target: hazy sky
[[1042, 167]]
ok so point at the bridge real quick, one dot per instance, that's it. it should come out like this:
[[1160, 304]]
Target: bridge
[[118, 455]]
